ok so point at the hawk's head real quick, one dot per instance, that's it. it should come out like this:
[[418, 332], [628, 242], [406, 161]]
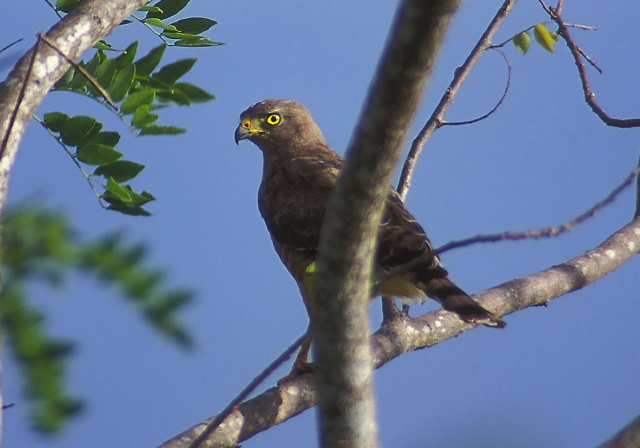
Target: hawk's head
[[272, 124]]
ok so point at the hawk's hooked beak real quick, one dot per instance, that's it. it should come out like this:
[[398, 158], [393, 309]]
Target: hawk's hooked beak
[[245, 130]]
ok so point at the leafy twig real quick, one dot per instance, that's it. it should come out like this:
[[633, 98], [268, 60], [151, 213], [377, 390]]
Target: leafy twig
[[86, 175]]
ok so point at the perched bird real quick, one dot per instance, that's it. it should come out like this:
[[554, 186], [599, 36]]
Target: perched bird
[[300, 170]]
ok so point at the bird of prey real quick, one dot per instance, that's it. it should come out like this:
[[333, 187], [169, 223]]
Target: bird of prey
[[300, 170]]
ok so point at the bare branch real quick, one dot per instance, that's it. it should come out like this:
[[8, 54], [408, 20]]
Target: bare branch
[[6, 47], [578, 54], [226, 412], [498, 104], [403, 335], [437, 117], [547, 231], [627, 437]]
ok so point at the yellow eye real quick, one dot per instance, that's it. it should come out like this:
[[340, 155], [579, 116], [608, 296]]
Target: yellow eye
[[274, 119]]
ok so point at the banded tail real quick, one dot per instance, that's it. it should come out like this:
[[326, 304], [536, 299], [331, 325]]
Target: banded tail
[[454, 299]]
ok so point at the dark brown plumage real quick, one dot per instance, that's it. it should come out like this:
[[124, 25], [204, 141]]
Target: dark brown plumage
[[300, 170]]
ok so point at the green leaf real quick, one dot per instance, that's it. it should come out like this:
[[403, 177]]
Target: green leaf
[[178, 35], [522, 42], [137, 99], [543, 37], [97, 154], [162, 130], [126, 210], [66, 5], [202, 42], [160, 24], [120, 171], [194, 93], [169, 8], [118, 191], [104, 45], [122, 82], [54, 121], [175, 96], [41, 359], [170, 73], [194, 25], [127, 56], [64, 82], [149, 9], [143, 117], [78, 128], [140, 199], [149, 62], [109, 138], [104, 76]]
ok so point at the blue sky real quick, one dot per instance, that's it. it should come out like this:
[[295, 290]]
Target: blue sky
[[564, 375]]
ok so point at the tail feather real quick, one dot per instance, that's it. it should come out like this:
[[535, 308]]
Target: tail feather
[[454, 299]]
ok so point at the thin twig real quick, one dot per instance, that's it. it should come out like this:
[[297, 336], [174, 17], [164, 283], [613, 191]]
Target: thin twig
[[545, 232], [581, 27], [218, 419], [74, 159], [6, 47], [436, 119], [578, 55], [589, 60], [498, 104], [53, 8], [23, 89], [84, 72]]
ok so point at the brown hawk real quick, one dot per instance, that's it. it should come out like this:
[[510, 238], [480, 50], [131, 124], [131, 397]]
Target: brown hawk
[[300, 170]]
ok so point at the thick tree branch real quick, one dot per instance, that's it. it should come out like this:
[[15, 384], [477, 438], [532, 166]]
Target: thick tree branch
[[348, 239], [402, 335]]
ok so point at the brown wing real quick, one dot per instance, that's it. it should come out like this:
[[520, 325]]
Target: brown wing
[[402, 240]]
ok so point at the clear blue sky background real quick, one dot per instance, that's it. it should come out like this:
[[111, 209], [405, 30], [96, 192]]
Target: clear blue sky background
[[565, 375]]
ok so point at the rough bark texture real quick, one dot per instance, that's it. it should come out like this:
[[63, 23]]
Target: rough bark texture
[[346, 408]]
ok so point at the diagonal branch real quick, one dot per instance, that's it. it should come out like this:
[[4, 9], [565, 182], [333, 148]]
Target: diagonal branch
[[627, 437], [349, 232], [437, 117], [578, 55], [279, 404]]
